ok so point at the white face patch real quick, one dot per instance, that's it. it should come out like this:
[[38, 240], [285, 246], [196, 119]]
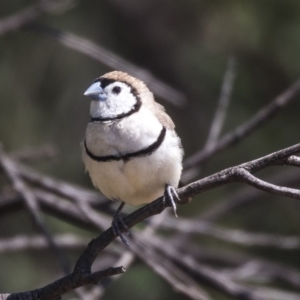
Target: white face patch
[[120, 100]]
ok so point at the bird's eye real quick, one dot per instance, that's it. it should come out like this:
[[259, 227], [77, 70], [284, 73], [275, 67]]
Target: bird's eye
[[116, 90]]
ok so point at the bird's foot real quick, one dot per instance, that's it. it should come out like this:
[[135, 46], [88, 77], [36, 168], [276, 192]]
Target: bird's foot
[[117, 219], [170, 193]]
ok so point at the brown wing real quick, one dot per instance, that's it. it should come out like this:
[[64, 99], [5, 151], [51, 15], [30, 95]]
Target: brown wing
[[163, 117]]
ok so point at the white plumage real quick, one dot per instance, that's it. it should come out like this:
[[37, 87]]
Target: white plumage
[[140, 179]]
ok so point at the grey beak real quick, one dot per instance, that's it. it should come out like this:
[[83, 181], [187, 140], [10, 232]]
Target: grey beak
[[95, 92]]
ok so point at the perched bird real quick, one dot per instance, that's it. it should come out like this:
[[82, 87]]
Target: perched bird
[[131, 150]]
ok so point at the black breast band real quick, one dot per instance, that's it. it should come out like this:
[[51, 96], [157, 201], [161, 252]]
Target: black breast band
[[126, 157]]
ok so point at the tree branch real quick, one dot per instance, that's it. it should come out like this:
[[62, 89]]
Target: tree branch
[[32, 205], [232, 235], [260, 118], [68, 283], [83, 265], [224, 100], [245, 195]]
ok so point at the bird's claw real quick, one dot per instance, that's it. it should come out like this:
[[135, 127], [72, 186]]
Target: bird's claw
[[117, 218], [170, 193]]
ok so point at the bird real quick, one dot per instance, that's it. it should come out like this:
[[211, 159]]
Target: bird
[[130, 150]]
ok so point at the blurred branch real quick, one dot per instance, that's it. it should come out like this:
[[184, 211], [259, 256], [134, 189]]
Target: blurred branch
[[21, 243], [34, 155], [217, 280], [60, 187], [145, 249], [219, 118], [234, 260], [224, 100], [245, 195], [31, 202], [51, 204], [259, 119], [27, 17], [180, 280], [232, 236], [33, 12], [111, 60]]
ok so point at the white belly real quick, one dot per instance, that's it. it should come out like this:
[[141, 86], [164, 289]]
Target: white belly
[[139, 180]]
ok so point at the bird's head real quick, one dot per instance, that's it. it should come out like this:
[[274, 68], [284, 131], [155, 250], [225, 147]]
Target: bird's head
[[114, 95]]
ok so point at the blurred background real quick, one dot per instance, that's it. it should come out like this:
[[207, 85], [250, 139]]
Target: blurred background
[[185, 46]]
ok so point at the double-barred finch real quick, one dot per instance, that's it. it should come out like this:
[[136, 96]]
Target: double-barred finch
[[131, 150]]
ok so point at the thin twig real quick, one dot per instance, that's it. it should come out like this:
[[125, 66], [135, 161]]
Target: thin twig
[[234, 259], [32, 205], [68, 283], [31, 13], [223, 103], [111, 60], [232, 174], [21, 243], [27, 17], [245, 195], [34, 155], [51, 204], [232, 236], [60, 187], [214, 279], [247, 177], [260, 118], [180, 280]]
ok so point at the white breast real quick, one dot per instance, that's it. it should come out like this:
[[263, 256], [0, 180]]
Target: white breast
[[139, 180]]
